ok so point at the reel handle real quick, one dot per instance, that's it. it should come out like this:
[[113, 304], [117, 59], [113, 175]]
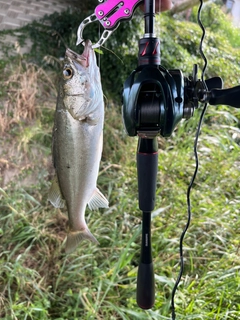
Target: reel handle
[[229, 97]]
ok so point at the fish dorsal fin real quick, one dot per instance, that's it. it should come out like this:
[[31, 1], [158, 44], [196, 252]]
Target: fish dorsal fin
[[55, 195], [97, 200]]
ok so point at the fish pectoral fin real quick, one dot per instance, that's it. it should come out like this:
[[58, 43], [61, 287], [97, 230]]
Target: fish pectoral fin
[[97, 200], [75, 237], [55, 195]]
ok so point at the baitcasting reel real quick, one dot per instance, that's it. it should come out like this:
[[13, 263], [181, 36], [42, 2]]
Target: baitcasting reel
[[156, 99]]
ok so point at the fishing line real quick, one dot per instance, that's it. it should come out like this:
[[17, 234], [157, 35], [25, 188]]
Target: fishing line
[[99, 53], [196, 166]]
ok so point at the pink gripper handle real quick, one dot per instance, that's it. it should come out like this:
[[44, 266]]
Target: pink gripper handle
[[110, 12]]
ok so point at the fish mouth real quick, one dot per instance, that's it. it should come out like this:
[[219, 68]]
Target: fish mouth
[[83, 58]]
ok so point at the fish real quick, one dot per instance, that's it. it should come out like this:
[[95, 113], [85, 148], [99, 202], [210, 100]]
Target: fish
[[77, 143]]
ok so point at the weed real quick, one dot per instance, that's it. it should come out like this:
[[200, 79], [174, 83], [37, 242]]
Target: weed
[[22, 89]]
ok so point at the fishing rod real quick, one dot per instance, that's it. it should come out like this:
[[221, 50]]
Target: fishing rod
[[147, 156], [155, 100]]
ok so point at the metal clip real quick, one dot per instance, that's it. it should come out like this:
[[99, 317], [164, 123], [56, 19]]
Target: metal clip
[[109, 13], [106, 33]]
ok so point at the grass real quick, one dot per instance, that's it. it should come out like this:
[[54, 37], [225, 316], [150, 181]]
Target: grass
[[39, 281]]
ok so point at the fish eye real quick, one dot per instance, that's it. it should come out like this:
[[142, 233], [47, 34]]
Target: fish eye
[[67, 73]]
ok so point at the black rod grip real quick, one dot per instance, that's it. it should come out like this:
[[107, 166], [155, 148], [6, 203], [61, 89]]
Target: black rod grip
[[147, 166], [145, 286], [229, 97], [145, 278]]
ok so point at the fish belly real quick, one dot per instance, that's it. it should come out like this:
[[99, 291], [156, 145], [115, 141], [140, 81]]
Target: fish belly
[[77, 151]]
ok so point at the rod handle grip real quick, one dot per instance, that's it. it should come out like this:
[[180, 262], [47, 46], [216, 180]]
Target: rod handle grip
[[145, 286]]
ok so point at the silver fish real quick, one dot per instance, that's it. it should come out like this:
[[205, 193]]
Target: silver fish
[[77, 142]]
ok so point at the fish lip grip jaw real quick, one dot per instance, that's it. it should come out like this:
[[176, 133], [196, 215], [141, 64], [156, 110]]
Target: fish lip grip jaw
[[109, 13]]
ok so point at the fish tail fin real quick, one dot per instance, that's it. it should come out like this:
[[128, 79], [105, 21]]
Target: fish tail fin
[[75, 237]]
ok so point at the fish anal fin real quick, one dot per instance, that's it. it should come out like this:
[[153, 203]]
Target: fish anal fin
[[55, 195], [97, 200], [75, 237]]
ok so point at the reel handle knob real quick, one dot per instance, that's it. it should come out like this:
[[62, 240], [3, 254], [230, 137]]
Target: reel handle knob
[[229, 97]]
